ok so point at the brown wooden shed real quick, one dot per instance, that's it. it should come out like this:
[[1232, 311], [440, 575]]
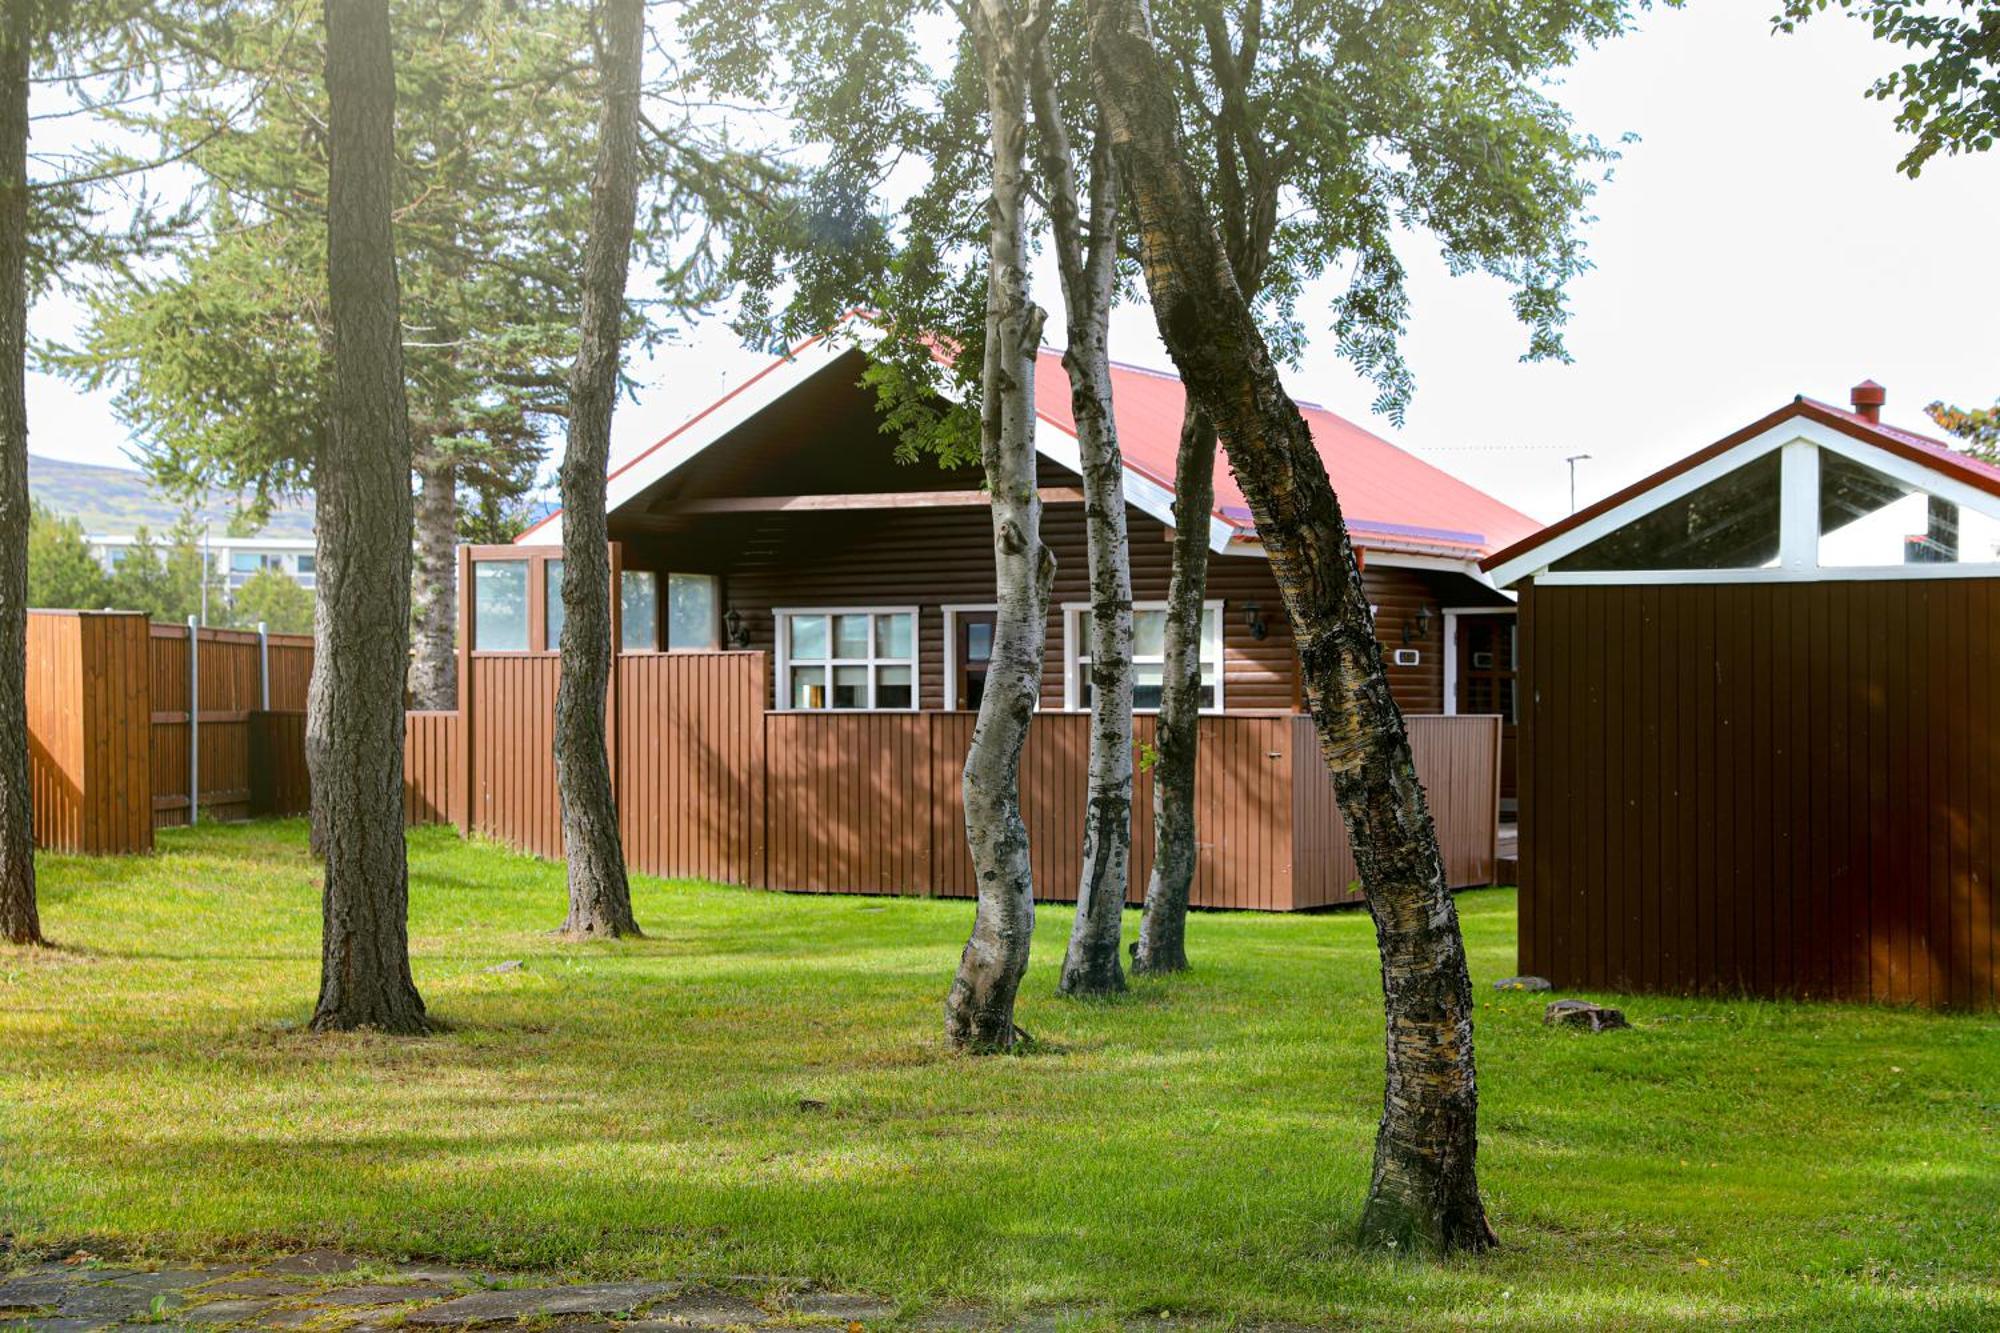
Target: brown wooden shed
[[1758, 721]]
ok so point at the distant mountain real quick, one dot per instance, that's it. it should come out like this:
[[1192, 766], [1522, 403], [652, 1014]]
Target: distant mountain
[[117, 500]]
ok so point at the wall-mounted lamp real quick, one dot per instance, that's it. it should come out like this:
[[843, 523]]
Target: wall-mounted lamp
[[1422, 626], [1252, 616], [738, 637]]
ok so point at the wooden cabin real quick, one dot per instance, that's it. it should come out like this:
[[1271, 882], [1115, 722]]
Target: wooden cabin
[[1758, 720], [779, 523]]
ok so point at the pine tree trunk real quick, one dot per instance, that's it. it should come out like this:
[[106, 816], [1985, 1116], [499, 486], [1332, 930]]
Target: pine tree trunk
[[1424, 1194], [434, 661], [20, 922], [354, 728], [1162, 944], [979, 1011], [600, 898], [1088, 265]]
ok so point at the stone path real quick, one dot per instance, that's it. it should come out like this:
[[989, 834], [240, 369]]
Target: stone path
[[324, 1291]]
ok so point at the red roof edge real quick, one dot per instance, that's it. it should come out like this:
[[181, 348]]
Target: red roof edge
[[1933, 454]]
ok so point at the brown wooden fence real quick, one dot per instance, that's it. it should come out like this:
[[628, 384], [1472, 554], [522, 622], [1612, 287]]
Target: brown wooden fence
[[89, 706], [711, 784], [112, 721], [433, 779], [1781, 789], [231, 666]]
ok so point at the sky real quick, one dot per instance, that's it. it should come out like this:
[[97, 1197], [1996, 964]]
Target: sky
[[1756, 243]]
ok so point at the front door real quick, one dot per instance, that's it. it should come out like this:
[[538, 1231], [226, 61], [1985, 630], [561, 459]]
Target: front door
[[1486, 683], [975, 654]]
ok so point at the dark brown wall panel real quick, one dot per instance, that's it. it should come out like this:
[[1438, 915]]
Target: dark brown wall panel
[[1778, 789], [933, 557]]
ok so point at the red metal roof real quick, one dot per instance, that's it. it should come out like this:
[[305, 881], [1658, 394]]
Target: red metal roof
[[1920, 449], [1391, 499]]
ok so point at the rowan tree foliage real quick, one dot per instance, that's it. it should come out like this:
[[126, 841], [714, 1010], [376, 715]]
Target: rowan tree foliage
[[1949, 89], [1978, 427]]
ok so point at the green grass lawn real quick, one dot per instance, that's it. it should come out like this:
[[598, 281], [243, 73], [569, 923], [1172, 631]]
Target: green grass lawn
[[1200, 1147]]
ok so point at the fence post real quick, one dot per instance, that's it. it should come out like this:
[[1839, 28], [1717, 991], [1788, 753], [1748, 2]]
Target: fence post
[[194, 720], [263, 668]]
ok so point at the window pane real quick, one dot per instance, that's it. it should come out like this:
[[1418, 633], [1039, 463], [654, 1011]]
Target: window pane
[[809, 638], [850, 687], [892, 687], [1869, 518], [552, 605], [1149, 633], [1147, 679], [978, 640], [1731, 523], [246, 562], [850, 636], [639, 602], [500, 606], [808, 687], [892, 637], [691, 611], [307, 564], [1211, 633]]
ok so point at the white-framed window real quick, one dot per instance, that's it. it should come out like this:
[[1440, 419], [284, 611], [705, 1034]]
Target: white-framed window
[[1149, 647], [847, 658]]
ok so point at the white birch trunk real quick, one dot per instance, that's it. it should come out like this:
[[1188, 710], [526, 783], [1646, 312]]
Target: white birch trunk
[[979, 1011], [1087, 264]]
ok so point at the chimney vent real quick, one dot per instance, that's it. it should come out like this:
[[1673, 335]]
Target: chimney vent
[[1868, 397]]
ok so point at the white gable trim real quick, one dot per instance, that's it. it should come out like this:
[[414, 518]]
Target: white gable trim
[[1537, 560], [1801, 439], [805, 364]]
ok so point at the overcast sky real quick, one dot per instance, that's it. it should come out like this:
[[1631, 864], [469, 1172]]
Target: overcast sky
[[1756, 243]]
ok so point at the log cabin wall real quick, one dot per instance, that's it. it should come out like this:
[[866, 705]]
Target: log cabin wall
[[930, 558]]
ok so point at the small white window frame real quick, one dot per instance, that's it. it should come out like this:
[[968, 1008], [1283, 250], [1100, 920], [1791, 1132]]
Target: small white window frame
[[1072, 613], [781, 618]]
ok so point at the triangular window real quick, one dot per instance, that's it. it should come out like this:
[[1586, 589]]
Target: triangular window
[[1730, 523], [1868, 518]]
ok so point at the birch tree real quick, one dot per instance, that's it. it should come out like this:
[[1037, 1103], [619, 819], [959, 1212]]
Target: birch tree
[[1423, 1195], [1085, 235], [600, 897], [979, 1010], [1317, 129], [354, 714]]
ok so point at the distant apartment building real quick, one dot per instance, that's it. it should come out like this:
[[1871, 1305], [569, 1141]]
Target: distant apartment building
[[234, 559]]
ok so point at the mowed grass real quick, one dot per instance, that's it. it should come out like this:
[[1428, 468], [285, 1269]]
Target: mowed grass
[[759, 1087]]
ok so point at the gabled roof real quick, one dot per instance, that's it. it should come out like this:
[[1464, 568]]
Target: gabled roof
[[1393, 501], [1935, 456]]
